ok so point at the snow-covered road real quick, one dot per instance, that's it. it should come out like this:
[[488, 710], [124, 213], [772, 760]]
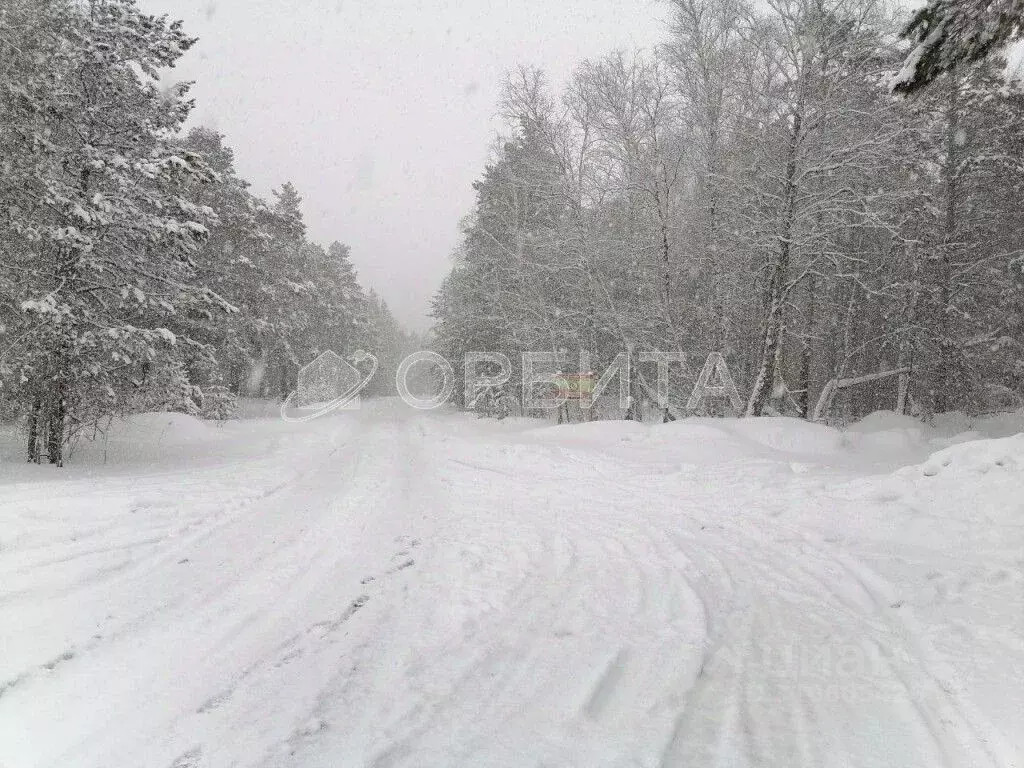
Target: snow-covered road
[[393, 588]]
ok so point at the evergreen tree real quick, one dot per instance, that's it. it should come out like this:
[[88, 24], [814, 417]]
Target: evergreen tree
[[100, 221], [951, 34]]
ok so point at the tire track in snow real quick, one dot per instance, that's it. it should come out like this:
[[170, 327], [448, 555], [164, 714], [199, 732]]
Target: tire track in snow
[[266, 556], [787, 579], [603, 555], [563, 608]]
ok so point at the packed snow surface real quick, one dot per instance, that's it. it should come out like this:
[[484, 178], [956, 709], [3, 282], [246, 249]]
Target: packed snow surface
[[386, 587]]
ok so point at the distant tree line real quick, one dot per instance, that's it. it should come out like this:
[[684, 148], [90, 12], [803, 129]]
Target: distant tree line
[[756, 187], [137, 270]]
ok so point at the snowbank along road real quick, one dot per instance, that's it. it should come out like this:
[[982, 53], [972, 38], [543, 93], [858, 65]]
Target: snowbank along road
[[389, 588]]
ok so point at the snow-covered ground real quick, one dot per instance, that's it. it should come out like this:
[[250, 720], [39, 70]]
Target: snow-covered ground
[[394, 588]]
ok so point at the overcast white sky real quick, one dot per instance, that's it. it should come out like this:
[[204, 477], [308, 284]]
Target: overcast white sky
[[382, 112]]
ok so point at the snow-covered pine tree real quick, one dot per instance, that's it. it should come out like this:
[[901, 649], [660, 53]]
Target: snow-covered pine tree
[[99, 226], [385, 339], [229, 264], [970, 176], [951, 34], [292, 299], [342, 312], [285, 293]]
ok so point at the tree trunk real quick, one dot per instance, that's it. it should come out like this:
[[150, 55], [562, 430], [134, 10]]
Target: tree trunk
[[34, 434], [774, 326], [634, 412], [905, 356], [56, 422], [805, 353], [770, 355], [903, 385], [942, 398], [666, 266], [283, 379]]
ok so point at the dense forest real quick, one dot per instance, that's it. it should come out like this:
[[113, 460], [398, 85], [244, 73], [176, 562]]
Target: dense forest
[[789, 183], [138, 271], [786, 182]]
